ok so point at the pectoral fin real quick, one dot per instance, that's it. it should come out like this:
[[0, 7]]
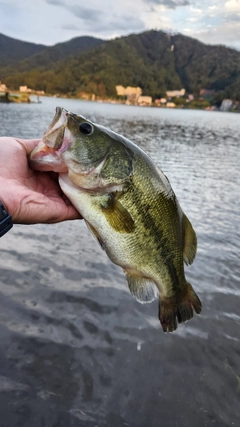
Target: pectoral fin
[[117, 216], [189, 241]]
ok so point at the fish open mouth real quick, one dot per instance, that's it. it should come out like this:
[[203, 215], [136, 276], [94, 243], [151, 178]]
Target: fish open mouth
[[54, 135]]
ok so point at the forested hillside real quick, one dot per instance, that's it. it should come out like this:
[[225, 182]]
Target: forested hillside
[[153, 60], [12, 50], [50, 55]]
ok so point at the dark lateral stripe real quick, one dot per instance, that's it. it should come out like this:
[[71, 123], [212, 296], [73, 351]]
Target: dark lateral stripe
[[150, 215]]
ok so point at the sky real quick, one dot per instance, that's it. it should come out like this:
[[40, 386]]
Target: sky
[[52, 21]]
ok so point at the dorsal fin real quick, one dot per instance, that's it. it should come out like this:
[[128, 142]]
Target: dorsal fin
[[189, 241]]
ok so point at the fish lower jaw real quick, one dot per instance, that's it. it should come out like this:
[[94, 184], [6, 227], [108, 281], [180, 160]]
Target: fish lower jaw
[[81, 184], [46, 164]]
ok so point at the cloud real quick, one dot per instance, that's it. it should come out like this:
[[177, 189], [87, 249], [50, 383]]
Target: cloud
[[95, 19], [70, 27], [85, 13], [109, 27], [125, 23], [56, 2], [233, 5], [232, 17], [92, 15], [226, 34], [170, 4]]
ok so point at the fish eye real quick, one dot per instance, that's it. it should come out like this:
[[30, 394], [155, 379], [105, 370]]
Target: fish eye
[[86, 128]]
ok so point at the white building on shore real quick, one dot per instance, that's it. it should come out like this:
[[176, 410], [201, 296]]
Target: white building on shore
[[144, 100], [3, 87], [175, 93]]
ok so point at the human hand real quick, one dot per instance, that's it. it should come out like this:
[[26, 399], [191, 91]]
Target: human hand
[[30, 196]]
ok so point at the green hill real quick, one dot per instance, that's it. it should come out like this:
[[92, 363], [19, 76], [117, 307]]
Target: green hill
[[12, 50], [50, 55], [204, 66], [153, 60]]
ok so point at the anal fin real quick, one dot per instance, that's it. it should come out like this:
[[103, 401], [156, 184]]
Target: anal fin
[[142, 288]]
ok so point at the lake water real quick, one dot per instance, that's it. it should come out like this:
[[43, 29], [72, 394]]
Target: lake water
[[75, 348]]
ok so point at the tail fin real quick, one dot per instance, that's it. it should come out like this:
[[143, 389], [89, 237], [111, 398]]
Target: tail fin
[[172, 312]]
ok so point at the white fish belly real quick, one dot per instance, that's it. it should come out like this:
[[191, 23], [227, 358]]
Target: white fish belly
[[115, 244]]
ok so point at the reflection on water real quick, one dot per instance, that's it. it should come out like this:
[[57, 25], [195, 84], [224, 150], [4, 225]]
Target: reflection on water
[[76, 349]]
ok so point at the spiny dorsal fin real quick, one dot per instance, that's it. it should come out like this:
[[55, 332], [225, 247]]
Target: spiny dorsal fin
[[142, 288], [117, 216], [189, 241]]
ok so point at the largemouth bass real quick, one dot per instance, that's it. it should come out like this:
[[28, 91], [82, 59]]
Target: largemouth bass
[[129, 206]]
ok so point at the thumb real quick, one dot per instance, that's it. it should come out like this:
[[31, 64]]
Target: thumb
[[28, 144]]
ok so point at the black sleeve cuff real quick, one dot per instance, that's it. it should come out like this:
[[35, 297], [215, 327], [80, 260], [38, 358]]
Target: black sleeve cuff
[[5, 220]]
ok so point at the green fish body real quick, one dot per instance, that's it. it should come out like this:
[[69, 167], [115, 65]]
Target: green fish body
[[129, 206]]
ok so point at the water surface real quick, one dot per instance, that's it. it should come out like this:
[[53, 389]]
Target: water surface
[[76, 349]]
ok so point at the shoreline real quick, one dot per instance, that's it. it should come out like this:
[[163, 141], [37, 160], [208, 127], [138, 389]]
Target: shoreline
[[16, 97]]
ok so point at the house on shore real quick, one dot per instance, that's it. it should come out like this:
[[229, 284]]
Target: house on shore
[[175, 93], [3, 87], [144, 100], [130, 93], [25, 89]]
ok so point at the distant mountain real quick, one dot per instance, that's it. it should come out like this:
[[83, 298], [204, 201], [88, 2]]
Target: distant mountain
[[153, 60], [12, 50], [49, 55], [207, 66]]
